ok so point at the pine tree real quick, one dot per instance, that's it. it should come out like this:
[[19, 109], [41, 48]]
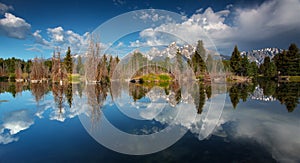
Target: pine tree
[[179, 60], [209, 62], [253, 70], [79, 66], [201, 50], [293, 60], [197, 59], [280, 61], [235, 61], [68, 62], [288, 62], [245, 66], [269, 68]]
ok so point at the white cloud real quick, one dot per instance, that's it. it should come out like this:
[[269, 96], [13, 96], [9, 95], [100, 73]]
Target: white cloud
[[14, 122], [38, 38], [6, 138], [58, 37], [277, 132], [273, 23], [17, 121], [229, 6], [199, 10], [56, 34], [4, 8], [14, 27], [120, 44], [119, 2], [190, 30], [153, 16]]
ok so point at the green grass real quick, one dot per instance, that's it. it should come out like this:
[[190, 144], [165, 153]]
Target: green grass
[[74, 78], [294, 78], [161, 80], [156, 78], [164, 77]]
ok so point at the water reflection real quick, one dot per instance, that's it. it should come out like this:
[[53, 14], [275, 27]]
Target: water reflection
[[274, 128], [96, 95], [240, 91], [287, 93], [38, 90]]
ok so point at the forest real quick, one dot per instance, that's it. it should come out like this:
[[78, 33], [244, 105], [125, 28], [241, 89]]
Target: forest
[[95, 68]]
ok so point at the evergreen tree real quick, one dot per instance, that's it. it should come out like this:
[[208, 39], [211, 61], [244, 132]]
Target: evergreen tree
[[245, 66], [79, 66], [288, 62], [209, 62], [68, 62], [268, 68], [198, 64], [117, 59], [293, 60], [234, 95], [253, 70], [201, 50], [280, 61], [179, 60], [197, 59], [235, 61]]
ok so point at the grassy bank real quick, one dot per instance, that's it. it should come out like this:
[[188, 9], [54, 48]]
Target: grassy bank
[[164, 77], [238, 79], [162, 80], [74, 78], [294, 78]]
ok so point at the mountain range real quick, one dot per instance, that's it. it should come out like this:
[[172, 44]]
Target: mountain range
[[258, 56]]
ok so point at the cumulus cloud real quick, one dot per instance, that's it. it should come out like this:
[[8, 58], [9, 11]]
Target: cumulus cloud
[[58, 37], [38, 38], [14, 27], [190, 29], [153, 16], [275, 131], [56, 34], [119, 2], [273, 23], [6, 138], [13, 123], [151, 37], [17, 121], [4, 8]]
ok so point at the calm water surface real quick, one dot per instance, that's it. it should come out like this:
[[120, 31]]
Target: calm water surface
[[41, 122]]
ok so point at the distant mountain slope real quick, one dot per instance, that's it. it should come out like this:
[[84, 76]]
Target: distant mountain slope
[[258, 56]]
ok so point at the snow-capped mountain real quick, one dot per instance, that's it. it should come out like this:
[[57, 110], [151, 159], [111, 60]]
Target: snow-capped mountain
[[258, 56], [170, 51], [258, 94], [187, 51]]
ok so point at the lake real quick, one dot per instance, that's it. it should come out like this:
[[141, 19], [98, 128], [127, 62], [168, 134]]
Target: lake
[[53, 123]]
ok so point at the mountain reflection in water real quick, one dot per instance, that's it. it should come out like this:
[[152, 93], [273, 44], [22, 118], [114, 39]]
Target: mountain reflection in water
[[263, 112]]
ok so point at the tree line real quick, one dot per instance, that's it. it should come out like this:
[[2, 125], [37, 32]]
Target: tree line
[[57, 69], [286, 63]]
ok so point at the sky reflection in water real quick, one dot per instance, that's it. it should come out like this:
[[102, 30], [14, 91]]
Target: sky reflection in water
[[40, 118]]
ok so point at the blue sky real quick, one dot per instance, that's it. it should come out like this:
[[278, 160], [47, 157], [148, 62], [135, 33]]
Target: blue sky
[[32, 28]]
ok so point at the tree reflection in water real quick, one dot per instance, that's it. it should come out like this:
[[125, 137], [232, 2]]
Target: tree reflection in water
[[287, 93], [173, 91], [240, 91], [96, 96], [38, 90], [58, 95]]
